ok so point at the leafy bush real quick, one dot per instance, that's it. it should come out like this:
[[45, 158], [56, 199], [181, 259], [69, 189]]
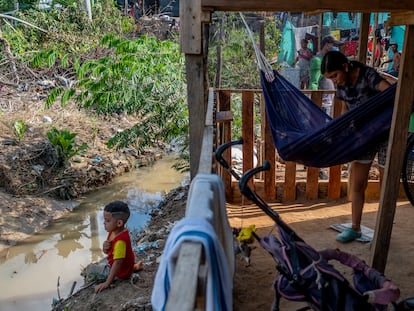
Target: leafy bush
[[239, 65], [237, 53], [6, 6], [64, 144], [142, 77], [19, 129], [68, 29]]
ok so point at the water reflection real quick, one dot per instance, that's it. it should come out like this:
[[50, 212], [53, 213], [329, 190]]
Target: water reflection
[[30, 270]]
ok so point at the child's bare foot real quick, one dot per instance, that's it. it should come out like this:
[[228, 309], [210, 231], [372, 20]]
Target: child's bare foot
[[138, 266]]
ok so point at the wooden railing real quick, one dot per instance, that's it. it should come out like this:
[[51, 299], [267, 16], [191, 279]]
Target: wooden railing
[[283, 181], [206, 200]]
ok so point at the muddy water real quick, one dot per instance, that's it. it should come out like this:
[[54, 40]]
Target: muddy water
[[30, 272]]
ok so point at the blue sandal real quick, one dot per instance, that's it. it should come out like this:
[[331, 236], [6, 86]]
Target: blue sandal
[[348, 235]]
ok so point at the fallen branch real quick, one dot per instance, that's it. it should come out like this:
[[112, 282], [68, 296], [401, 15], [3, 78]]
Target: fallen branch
[[22, 21]]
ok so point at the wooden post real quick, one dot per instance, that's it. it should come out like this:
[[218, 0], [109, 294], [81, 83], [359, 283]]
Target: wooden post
[[312, 173], [269, 153], [224, 105], [395, 153], [289, 189], [268, 147], [362, 57], [194, 43], [363, 37], [248, 131], [334, 185]]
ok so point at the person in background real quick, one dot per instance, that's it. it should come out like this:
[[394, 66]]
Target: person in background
[[355, 83], [396, 59], [378, 53], [303, 59], [117, 246], [318, 82]]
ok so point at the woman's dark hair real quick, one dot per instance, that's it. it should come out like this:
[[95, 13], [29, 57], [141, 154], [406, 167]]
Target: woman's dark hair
[[333, 60]]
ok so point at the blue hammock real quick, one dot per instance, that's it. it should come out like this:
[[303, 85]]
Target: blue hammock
[[302, 132]]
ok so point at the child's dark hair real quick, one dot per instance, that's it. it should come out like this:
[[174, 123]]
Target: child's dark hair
[[118, 209], [333, 60]]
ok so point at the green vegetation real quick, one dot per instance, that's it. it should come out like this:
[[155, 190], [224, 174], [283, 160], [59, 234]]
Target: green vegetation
[[65, 146], [19, 128], [142, 77], [239, 69], [110, 70]]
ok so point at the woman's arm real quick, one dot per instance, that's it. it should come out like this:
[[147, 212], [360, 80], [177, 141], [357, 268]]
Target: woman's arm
[[383, 85], [390, 78]]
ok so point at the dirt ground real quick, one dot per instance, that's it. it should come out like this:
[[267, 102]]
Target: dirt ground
[[253, 284], [30, 199], [311, 220]]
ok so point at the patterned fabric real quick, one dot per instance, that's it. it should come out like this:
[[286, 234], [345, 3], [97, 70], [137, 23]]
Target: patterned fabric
[[365, 87], [353, 96], [351, 48]]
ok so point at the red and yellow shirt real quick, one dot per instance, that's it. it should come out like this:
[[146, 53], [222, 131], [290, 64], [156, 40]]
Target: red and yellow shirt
[[121, 249]]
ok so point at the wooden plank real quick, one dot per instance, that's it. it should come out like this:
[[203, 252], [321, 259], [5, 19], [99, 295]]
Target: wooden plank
[[269, 153], [334, 185], [202, 288], [316, 97], [248, 130], [306, 6], [289, 190], [190, 26], [206, 158], [363, 37], [224, 134], [223, 116], [196, 106], [401, 18], [396, 147], [183, 291], [312, 183]]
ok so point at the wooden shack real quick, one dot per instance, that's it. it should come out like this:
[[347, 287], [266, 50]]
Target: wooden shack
[[195, 17]]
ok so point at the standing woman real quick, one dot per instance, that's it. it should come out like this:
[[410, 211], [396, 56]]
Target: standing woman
[[355, 83]]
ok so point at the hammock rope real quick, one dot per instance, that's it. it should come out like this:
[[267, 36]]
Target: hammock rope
[[262, 61]]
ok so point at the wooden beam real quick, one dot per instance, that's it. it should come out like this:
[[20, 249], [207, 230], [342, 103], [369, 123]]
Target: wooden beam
[[363, 37], [248, 131], [269, 153], [395, 153], [184, 283], [206, 157], [289, 190], [307, 6], [401, 18], [190, 26]]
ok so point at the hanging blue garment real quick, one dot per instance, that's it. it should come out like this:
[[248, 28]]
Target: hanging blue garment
[[302, 132]]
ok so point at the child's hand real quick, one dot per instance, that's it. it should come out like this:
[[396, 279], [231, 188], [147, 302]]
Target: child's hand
[[101, 287], [106, 246]]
